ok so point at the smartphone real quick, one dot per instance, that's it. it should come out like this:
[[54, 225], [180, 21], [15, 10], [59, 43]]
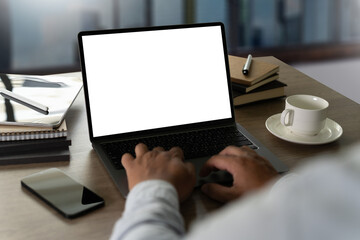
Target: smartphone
[[61, 192]]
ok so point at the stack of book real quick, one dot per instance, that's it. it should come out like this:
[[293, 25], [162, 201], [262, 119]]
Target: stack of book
[[27, 144], [261, 83]]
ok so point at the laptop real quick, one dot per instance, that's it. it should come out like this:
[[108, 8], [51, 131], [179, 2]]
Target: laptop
[[163, 86]]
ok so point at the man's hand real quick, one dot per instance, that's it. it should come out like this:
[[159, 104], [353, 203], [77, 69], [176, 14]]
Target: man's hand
[[249, 170], [160, 164]]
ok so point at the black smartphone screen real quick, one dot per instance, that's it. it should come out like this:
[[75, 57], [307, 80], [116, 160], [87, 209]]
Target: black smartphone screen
[[61, 192]]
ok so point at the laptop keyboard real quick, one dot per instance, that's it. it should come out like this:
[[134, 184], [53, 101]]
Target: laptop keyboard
[[194, 144]]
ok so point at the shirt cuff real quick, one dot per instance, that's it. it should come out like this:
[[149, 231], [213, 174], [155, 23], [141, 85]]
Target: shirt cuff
[[152, 189], [151, 212]]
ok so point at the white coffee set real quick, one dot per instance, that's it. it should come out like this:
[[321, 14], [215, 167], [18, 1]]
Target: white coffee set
[[304, 121]]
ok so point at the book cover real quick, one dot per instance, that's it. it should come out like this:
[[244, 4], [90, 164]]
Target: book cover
[[20, 133], [245, 89], [52, 155], [16, 147], [259, 70], [271, 90]]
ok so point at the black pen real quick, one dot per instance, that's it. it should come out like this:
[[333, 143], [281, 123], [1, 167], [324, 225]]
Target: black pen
[[24, 101], [246, 67]]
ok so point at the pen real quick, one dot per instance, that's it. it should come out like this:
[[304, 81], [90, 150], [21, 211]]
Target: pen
[[246, 67], [24, 101]]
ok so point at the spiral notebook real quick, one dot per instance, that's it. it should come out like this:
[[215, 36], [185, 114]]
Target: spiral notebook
[[19, 133]]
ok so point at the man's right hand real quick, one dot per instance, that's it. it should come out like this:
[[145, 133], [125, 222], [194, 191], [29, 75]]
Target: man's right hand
[[250, 171], [160, 164]]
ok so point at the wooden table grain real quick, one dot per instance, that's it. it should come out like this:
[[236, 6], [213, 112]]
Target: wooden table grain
[[22, 216]]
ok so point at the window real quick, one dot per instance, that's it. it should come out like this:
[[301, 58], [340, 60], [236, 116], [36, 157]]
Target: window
[[42, 34]]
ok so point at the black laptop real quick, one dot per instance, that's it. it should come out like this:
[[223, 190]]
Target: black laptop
[[163, 86]]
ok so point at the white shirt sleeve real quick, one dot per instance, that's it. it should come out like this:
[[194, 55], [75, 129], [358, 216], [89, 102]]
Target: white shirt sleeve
[[151, 212]]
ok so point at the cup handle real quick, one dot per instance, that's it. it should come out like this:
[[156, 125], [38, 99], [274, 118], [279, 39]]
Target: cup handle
[[284, 114]]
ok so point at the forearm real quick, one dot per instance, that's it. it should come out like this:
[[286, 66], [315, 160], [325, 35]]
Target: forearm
[[151, 212]]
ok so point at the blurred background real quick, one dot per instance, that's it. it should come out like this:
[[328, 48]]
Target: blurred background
[[315, 36]]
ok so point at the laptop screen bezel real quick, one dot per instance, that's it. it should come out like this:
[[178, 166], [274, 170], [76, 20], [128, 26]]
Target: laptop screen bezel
[[164, 130]]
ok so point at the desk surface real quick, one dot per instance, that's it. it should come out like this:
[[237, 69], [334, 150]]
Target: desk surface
[[23, 216]]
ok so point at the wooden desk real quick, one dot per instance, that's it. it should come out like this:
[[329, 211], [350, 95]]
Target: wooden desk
[[22, 216]]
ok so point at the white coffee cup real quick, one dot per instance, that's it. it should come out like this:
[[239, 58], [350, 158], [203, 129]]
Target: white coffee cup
[[304, 114]]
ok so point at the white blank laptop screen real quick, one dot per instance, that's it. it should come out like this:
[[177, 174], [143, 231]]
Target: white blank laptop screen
[[153, 79]]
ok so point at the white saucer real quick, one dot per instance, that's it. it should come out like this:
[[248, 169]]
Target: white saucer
[[330, 133]]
